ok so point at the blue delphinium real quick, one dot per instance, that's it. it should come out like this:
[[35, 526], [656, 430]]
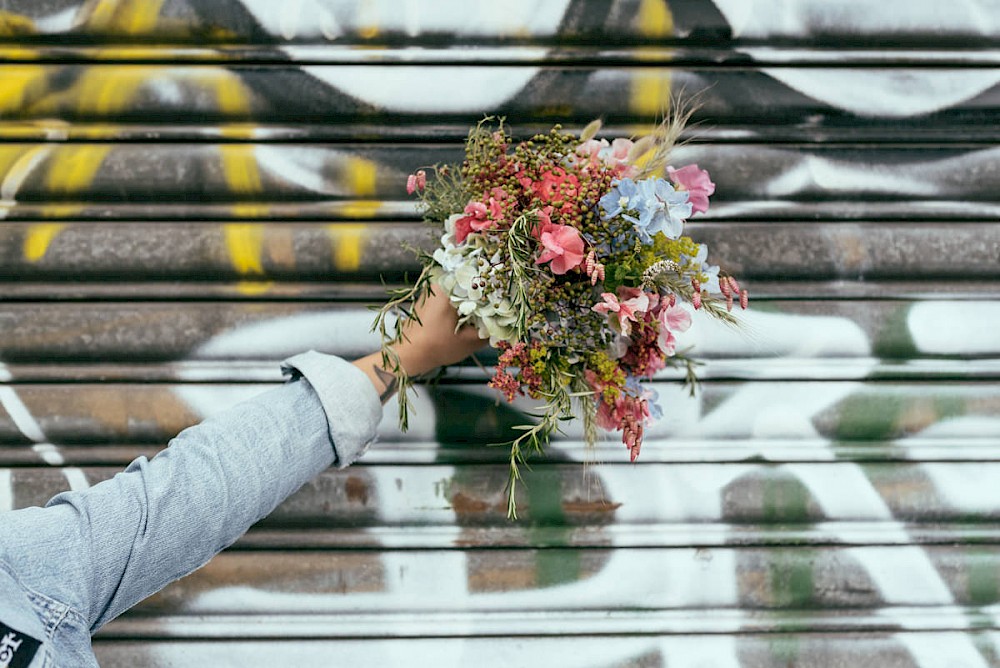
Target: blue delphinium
[[623, 197], [661, 209], [658, 206], [710, 271]]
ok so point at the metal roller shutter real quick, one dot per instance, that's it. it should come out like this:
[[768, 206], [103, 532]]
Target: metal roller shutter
[[194, 189]]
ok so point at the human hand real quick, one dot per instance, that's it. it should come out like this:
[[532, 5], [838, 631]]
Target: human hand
[[437, 340], [426, 345]]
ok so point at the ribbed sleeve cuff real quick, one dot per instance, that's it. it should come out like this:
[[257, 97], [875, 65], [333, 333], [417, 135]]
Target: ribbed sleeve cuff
[[353, 409]]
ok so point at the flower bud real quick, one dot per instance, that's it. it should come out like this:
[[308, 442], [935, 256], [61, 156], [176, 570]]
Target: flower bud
[[591, 130]]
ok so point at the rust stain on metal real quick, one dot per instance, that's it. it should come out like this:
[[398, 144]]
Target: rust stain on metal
[[465, 504], [579, 506], [357, 490]]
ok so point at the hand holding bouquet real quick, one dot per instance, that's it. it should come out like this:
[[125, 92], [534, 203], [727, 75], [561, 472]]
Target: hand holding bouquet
[[567, 253]]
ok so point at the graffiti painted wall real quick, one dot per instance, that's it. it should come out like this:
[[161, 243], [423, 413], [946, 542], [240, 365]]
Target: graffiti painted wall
[[191, 190]]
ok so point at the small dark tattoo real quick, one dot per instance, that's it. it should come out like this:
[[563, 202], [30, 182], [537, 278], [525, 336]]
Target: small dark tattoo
[[388, 379]]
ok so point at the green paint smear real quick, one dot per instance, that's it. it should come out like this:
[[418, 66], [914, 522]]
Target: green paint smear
[[984, 578], [785, 500], [878, 416], [791, 577], [545, 496], [869, 417], [785, 649], [467, 420], [893, 340]]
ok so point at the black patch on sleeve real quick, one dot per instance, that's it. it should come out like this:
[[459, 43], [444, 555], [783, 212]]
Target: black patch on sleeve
[[16, 649]]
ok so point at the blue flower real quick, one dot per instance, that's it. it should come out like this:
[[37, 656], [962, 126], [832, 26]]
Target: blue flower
[[711, 271], [653, 400], [661, 209], [623, 197]]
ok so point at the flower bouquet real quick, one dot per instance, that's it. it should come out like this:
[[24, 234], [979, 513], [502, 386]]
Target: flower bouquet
[[567, 252]]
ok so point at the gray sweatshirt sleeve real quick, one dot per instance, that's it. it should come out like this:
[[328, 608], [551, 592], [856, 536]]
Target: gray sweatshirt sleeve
[[104, 549]]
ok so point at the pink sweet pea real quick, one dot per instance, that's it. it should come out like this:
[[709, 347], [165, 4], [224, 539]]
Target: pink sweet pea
[[476, 219], [626, 311], [696, 182], [599, 149], [672, 319], [562, 246]]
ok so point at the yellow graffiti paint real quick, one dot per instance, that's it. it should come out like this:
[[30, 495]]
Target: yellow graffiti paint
[[12, 24], [15, 173], [650, 89], [361, 180], [239, 164], [654, 19], [252, 288], [38, 239], [362, 208], [22, 85], [367, 19], [361, 176], [104, 89], [72, 168], [347, 243], [231, 95], [650, 92], [131, 17], [244, 242], [100, 89]]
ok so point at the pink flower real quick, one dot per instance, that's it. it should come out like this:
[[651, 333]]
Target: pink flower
[[599, 149], [497, 202], [562, 246], [696, 182], [555, 184], [476, 219], [416, 181], [675, 318], [672, 319], [625, 311], [543, 220]]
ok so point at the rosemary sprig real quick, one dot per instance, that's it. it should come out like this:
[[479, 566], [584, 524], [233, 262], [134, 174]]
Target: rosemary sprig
[[401, 304]]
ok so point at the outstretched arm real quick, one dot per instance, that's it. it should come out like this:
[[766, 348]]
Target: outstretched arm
[[103, 550]]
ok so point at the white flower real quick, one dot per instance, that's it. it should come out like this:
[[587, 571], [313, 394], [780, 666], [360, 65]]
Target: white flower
[[473, 285]]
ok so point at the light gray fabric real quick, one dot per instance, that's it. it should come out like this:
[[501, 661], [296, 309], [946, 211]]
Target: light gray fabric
[[352, 416], [87, 556]]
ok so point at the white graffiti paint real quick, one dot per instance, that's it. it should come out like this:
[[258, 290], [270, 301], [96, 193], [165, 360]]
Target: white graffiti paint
[[943, 649], [6, 490], [902, 94], [62, 21], [420, 89], [76, 479], [768, 19], [305, 169], [205, 401], [21, 415], [21, 170], [302, 19], [342, 330], [323, 18], [763, 334], [49, 454], [955, 328], [29, 426], [764, 412]]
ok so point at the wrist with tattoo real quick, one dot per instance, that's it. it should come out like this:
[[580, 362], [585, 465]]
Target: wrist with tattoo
[[388, 381], [383, 379]]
